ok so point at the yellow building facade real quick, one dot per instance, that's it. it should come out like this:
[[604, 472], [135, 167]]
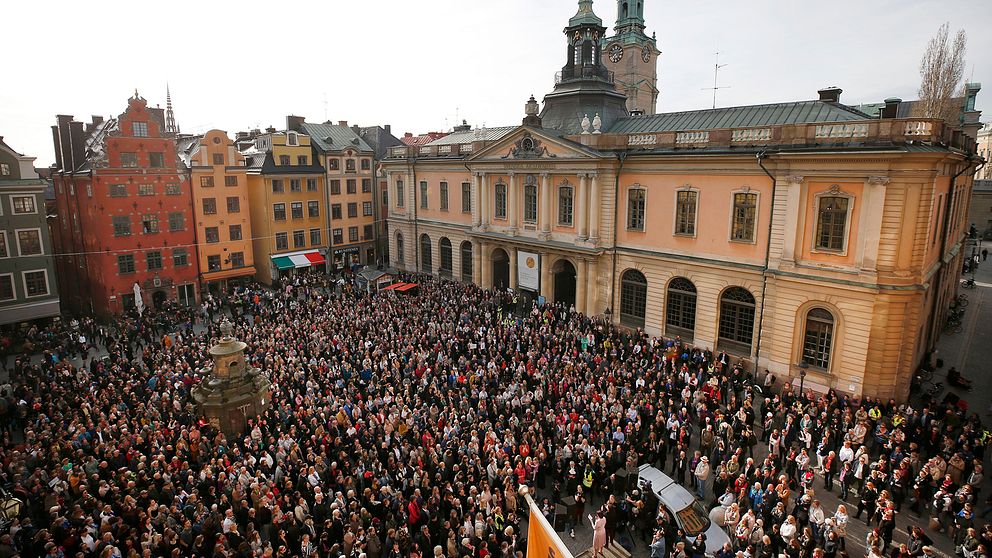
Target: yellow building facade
[[288, 205], [804, 238]]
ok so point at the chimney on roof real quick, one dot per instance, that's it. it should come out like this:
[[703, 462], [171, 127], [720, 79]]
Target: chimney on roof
[[270, 130], [891, 108], [355, 128], [388, 128], [241, 135], [295, 123], [463, 127], [830, 94], [407, 135], [342, 122], [97, 120]]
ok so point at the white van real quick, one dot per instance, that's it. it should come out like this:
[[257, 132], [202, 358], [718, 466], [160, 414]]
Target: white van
[[689, 513]]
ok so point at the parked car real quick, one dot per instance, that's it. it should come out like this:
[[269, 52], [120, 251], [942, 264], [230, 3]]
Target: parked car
[[688, 512]]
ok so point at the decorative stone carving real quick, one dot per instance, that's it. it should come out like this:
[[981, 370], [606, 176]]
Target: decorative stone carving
[[795, 179], [585, 124], [597, 123], [527, 147], [878, 180]]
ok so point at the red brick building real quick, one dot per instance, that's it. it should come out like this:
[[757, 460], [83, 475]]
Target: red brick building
[[125, 213]]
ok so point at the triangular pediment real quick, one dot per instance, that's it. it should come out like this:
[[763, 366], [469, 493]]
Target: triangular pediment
[[531, 144]]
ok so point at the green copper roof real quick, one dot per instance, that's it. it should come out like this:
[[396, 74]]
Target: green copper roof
[[585, 15]]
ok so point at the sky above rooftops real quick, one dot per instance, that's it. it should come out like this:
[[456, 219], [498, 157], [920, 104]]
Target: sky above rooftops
[[426, 65]]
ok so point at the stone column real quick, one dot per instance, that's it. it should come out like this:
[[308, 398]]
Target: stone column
[[513, 268], [581, 231], [477, 263], [476, 213], [511, 204], [483, 202], [486, 267], [592, 285], [545, 206], [595, 208], [546, 285], [582, 285]]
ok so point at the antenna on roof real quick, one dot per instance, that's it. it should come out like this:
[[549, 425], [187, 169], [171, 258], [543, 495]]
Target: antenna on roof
[[716, 73]]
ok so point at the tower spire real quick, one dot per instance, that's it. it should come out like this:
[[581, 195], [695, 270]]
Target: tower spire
[[170, 118]]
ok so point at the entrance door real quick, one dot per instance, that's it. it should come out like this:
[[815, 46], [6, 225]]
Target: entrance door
[[564, 279], [187, 295], [158, 298], [501, 269]]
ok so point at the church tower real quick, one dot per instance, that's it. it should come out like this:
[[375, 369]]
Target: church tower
[[170, 117], [632, 56], [584, 87]]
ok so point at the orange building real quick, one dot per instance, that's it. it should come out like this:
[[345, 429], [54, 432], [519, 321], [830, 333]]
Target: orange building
[[807, 238], [220, 208]]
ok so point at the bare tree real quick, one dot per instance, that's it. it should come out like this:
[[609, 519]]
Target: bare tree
[[941, 72]]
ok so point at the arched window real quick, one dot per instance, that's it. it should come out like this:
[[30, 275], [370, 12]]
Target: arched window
[[500, 198], [736, 320], [633, 298], [426, 258], [445, 268], [466, 250], [399, 247], [818, 338], [680, 309]]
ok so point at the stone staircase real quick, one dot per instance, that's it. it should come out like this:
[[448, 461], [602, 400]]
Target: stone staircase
[[610, 551]]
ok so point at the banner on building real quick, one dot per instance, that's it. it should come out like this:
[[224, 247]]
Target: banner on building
[[528, 271], [542, 540]]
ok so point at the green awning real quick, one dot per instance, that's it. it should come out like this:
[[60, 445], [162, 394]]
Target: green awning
[[283, 262]]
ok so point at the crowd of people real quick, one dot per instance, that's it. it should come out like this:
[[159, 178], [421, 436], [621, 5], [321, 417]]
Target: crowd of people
[[405, 426]]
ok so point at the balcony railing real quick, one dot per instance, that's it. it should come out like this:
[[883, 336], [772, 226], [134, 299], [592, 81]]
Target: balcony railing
[[584, 72]]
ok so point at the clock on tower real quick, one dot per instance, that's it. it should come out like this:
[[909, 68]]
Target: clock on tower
[[632, 56]]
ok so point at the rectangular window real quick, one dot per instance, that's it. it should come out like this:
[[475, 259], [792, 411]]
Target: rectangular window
[[385, 196], [156, 160], [237, 259], [313, 209], [277, 187], [338, 235], [213, 263], [154, 260], [352, 234], [352, 210], [302, 160], [530, 203], [233, 204], [335, 187], [209, 206], [466, 197], [173, 190], [685, 212], [349, 165], [745, 211], [180, 257], [367, 209], [4, 251], [366, 164], [218, 158], [297, 210], [443, 191], [367, 232], [279, 211], [295, 185], [565, 200], [832, 223], [366, 185], [333, 164], [129, 159], [122, 225], [234, 232], [299, 239], [284, 160], [212, 235], [23, 205], [399, 193], [423, 194], [7, 287], [207, 181], [500, 199], [29, 242], [230, 181], [314, 237], [177, 221], [635, 209], [282, 241], [35, 283], [125, 264], [146, 189], [311, 185], [118, 190], [4, 169], [336, 211], [352, 186], [139, 129]]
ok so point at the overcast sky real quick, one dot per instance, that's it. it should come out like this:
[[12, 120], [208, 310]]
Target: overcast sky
[[416, 64]]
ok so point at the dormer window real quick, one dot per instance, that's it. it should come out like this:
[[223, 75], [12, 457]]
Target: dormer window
[[292, 138]]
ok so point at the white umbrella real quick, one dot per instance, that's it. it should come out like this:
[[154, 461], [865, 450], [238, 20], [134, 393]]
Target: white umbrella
[[138, 303]]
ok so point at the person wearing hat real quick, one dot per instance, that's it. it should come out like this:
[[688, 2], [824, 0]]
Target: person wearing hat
[[702, 474]]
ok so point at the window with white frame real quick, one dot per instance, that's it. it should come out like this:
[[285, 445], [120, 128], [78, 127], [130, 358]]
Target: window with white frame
[[139, 129], [7, 287], [685, 212], [4, 250], [35, 283], [22, 205], [29, 242], [635, 209]]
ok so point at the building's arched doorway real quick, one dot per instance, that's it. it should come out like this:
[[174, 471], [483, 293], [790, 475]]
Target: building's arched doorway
[[158, 298], [501, 269], [564, 280]]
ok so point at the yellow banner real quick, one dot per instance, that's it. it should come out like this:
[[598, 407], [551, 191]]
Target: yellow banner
[[542, 540]]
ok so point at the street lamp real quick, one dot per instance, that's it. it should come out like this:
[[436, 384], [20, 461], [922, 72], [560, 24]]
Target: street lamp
[[803, 365]]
